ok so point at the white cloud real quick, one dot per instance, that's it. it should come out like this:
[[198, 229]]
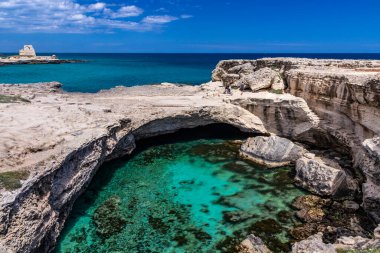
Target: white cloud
[[97, 6], [159, 19], [127, 11], [68, 16]]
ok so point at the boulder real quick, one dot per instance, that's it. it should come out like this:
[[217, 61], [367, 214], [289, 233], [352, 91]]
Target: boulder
[[317, 177], [272, 151], [260, 79], [253, 244], [313, 244], [230, 79]]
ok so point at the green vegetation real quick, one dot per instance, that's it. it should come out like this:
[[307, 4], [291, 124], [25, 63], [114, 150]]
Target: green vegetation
[[11, 180], [12, 99], [377, 250]]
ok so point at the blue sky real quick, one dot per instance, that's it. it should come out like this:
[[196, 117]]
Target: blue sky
[[258, 26]]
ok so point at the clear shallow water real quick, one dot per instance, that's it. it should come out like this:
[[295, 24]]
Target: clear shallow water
[[104, 71], [192, 196]]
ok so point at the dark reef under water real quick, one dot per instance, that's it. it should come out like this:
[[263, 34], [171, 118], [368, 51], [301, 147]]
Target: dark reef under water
[[188, 192]]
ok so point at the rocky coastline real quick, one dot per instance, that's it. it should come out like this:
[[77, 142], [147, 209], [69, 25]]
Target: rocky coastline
[[5, 62], [308, 114]]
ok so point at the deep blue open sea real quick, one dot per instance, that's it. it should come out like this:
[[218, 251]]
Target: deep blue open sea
[[104, 71]]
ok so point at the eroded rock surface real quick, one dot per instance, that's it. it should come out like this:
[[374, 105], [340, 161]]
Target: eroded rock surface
[[317, 177], [344, 98], [261, 79], [61, 139], [313, 244], [253, 244], [343, 244], [271, 151]]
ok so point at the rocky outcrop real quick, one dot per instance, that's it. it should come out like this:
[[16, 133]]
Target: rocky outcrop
[[271, 151], [284, 115], [343, 244], [4, 62], [357, 243], [253, 244], [237, 73], [323, 177], [313, 244], [344, 96]]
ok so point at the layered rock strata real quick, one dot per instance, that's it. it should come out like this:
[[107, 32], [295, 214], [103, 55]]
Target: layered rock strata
[[344, 97], [271, 151]]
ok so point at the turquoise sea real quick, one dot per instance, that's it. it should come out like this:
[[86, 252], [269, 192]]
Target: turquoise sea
[[103, 71], [181, 196]]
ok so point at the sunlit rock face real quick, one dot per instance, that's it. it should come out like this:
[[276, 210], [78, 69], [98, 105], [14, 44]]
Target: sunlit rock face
[[344, 98], [271, 151]]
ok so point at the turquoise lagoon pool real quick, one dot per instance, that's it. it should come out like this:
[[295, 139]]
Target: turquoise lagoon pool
[[190, 196]]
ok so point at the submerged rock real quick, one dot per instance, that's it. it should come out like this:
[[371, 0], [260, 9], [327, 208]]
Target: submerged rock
[[271, 151], [237, 216], [313, 214], [309, 201], [253, 244], [304, 231], [108, 218]]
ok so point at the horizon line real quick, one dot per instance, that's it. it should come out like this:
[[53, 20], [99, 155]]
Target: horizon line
[[197, 53]]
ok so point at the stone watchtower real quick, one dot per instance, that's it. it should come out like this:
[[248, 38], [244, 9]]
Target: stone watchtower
[[28, 51]]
